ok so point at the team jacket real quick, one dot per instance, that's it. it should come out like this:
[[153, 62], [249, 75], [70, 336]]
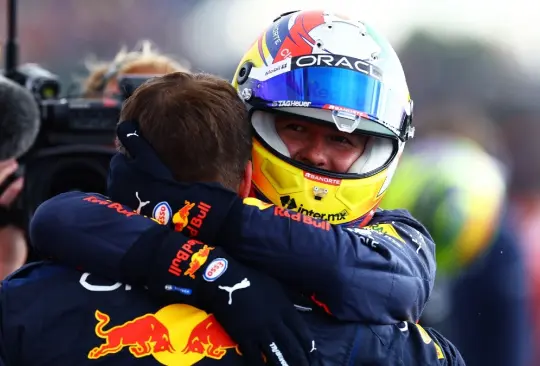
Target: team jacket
[[52, 315]]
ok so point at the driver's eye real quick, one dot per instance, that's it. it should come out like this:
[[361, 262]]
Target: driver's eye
[[295, 127], [341, 140]]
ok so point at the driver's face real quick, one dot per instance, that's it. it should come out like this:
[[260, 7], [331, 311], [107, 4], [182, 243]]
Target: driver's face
[[323, 147]]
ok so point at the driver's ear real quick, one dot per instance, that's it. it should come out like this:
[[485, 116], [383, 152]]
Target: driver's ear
[[245, 184]]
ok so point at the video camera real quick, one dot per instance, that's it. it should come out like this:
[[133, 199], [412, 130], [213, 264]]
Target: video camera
[[76, 138]]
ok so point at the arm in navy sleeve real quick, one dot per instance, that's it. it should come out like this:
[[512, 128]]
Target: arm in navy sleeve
[[92, 234], [382, 273], [359, 274]]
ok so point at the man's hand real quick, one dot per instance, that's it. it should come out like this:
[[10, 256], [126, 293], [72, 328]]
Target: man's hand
[[13, 250], [252, 307], [257, 314], [12, 191]]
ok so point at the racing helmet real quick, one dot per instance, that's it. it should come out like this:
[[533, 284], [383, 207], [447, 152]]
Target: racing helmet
[[328, 69]]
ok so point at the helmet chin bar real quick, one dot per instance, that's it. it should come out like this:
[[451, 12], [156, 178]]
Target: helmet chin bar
[[338, 200]]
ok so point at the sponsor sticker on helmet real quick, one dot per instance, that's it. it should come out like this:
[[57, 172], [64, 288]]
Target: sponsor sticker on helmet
[[290, 103], [322, 179], [215, 269]]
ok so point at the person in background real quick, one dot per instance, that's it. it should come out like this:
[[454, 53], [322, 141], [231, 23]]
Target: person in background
[[19, 127], [144, 59], [480, 298], [13, 248]]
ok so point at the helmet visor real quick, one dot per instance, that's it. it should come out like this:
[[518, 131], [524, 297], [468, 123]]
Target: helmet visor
[[354, 90]]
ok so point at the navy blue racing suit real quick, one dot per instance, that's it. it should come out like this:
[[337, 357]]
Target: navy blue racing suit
[[52, 315]]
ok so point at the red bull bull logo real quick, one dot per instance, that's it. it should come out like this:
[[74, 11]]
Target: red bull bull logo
[[182, 221], [197, 260], [143, 336], [175, 335], [181, 218], [209, 338], [183, 254]]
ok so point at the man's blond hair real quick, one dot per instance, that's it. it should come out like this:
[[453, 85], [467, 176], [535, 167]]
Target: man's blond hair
[[144, 57]]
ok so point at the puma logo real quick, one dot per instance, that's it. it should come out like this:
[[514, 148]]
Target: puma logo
[[141, 203], [244, 284]]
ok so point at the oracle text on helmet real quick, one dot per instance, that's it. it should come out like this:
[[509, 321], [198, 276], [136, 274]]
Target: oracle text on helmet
[[342, 62]]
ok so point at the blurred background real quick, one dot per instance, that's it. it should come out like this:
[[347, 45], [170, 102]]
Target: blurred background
[[472, 69]]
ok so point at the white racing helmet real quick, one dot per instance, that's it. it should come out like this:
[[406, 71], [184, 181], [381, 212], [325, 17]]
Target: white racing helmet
[[329, 69]]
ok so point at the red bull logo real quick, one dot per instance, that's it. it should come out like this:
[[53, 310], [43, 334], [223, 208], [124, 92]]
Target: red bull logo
[[123, 210], [175, 335], [181, 218], [308, 220], [182, 221], [183, 254], [209, 338], [197, 260], [112, 205], [143, 336]]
